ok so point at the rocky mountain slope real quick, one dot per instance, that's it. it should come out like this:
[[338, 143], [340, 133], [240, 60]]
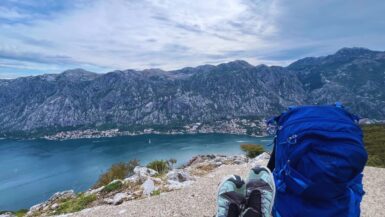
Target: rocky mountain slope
[[78, 99]]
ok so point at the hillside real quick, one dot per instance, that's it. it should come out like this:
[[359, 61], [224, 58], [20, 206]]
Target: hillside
[[198, 198], [78, 99]]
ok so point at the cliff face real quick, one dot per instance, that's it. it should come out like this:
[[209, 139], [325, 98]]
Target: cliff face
[[77, 98]]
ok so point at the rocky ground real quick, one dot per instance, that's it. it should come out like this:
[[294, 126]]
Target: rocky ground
[[191, 191]]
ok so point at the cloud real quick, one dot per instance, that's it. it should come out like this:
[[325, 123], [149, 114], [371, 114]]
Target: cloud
[[170, 34]]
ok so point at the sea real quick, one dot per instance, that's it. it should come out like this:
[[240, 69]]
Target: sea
[[32, 170]]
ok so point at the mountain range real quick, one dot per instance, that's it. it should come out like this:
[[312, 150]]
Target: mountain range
[[79, 99]]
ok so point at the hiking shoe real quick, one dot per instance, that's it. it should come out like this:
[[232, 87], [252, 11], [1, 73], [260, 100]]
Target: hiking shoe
[[260, 192], [231, 197]]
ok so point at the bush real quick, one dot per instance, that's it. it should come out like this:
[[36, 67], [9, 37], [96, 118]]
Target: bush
[[112, 187], [117, 171], [161, 166], [374, 139], [251, 150], [21, 212], [155, 193], [76, 204]]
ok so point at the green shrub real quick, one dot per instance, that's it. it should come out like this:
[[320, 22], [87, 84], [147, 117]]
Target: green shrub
[[161, 166], [155, 193], [374, 139], [252, 150], [117, 171], [21, 212], [112, 187], [76, 204]]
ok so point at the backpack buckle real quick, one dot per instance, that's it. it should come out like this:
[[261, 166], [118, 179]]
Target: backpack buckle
[[292, 139]]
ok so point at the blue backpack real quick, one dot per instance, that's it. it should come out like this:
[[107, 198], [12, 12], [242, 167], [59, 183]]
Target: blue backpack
[[317, 162]]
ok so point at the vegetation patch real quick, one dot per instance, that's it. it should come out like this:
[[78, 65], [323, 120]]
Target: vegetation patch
[[112, 187], [155, 193], [76, 204], [21, 212], [161, 166], [252, 150], [18, 213], [117, 171], [374, 139]]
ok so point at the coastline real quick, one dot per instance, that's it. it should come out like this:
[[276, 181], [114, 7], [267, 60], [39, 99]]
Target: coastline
[[86, 134]]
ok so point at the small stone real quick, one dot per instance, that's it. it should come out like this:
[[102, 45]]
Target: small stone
[[157, 180], [137, 193], [119, 198]]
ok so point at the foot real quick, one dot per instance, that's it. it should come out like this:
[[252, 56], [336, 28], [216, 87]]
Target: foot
[[260, 192], [231, 197]]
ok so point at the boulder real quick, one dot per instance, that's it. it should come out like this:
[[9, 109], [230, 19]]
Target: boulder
[[141, 174], [144, 171], [260, 160], [63, 195], [108, 200], [148, 187], [178, 175], [119, 198]]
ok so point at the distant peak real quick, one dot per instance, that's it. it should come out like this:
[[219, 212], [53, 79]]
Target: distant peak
[[153, 70], [352, 51], [236, 64], [78, 73]]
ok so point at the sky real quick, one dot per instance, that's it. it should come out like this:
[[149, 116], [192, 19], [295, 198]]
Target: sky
[[50, 36]]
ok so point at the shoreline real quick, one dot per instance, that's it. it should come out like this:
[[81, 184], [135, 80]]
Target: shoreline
[[123, 134]]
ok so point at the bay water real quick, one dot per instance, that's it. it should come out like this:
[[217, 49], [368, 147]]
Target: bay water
[[32, 170]]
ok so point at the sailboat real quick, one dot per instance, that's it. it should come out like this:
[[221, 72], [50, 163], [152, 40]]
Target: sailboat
[[149, 141]]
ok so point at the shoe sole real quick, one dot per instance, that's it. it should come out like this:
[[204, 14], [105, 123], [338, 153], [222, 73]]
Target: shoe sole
[[273, 187], [219, 186]]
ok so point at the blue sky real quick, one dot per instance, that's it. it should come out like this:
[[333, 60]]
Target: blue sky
[[50, 36]]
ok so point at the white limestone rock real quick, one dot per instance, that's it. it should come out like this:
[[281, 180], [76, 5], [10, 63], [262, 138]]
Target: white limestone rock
[[260, 160], [148, 187]]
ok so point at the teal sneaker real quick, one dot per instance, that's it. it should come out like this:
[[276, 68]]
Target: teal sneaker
[[260, 193], [231, 197]]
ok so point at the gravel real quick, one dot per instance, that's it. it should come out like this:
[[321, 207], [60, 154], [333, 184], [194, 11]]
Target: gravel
[[199, 199]]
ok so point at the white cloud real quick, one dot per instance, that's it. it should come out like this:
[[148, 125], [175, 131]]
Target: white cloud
[[169, 34], [138, 34]]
